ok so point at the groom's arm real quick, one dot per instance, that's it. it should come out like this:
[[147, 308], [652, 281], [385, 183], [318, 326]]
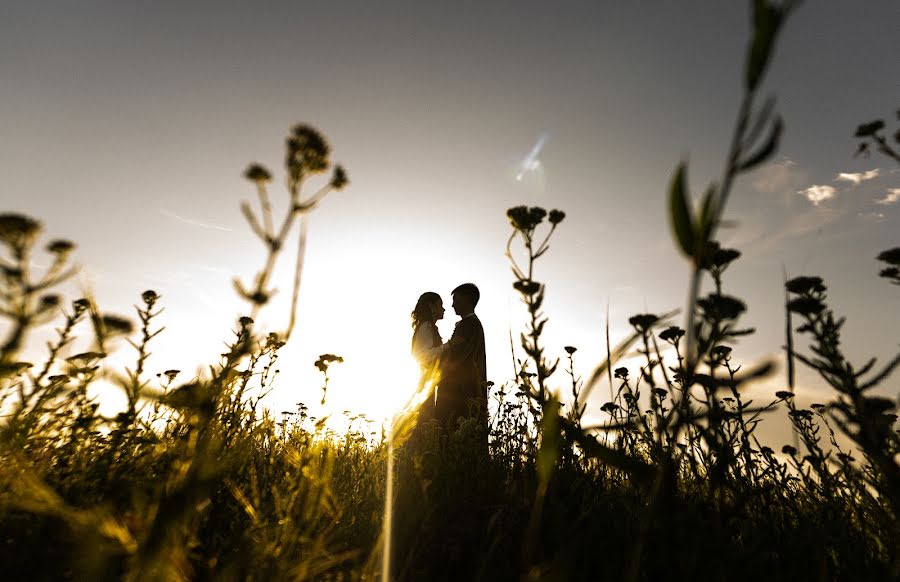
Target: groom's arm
[[462, 343]]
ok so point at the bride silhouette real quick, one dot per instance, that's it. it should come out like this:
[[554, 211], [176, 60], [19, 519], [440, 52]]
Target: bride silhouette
[[427, 347]]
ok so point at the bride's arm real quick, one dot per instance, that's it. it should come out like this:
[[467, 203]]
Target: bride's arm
[[422, 349]]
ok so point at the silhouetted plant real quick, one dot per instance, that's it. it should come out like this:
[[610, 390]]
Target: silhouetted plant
[[867, 419], [892, 271], [322, 364], [307, 154], [526, 222], [872, 134]]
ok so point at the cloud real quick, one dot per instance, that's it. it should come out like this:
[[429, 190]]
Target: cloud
[[872, 216], [778, 177], [194, 222], [856, 178], [767, 233], [892, 197], [818, 194]]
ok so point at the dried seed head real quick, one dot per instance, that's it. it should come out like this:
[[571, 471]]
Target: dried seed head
[[258, 173]]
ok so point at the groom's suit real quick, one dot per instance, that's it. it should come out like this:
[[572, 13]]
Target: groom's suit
[[462, 390]]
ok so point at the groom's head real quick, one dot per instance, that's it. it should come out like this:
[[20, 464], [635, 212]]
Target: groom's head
[[465, 298]]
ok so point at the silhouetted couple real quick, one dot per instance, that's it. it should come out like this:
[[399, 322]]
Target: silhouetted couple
[[457, 367]]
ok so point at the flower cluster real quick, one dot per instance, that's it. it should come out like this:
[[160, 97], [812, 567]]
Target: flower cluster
[[258, 173], [892, 258], [326, 360], [643, 322], [717, 307], [307, 152], [18, 231], [526, 219]]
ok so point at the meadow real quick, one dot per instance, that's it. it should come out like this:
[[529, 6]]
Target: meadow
[[196, 480]]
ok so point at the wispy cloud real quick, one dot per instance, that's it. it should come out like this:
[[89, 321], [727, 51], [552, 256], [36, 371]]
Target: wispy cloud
[[872, 216], [857, 177], [778, 177], [193, 222], [892, 197], [818, 194]]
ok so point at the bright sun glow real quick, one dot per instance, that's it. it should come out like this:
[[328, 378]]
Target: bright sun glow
[[376, 379]]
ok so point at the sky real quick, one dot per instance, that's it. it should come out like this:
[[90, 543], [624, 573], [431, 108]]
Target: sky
[[126, 125]]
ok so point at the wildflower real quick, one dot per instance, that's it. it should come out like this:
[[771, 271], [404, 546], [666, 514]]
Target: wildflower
[[17, 230], [518, 217], [307, 151], [715, 258], [660, 393], [807, 306], [767, 451], [800, 414], [326, 360], [817, 407], [570, 349], [556, 216], [60, 247], [258, 173], [609, 407], [889, 273], [245, 321], [621, 373], [671, 334], [527, 287], [116, 325], [869, 129], [784, 395], [721, 307], [50, 301], [79, 305], [149, 296], [643, 321], [536, 214], [722, 257], [339, 178], [789, 450], [274, 341], [85, 357], [890, 256], [800, 285], [721, 352], [170, 374]]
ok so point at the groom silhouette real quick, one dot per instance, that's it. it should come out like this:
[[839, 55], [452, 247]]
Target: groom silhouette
[[462, 391]]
